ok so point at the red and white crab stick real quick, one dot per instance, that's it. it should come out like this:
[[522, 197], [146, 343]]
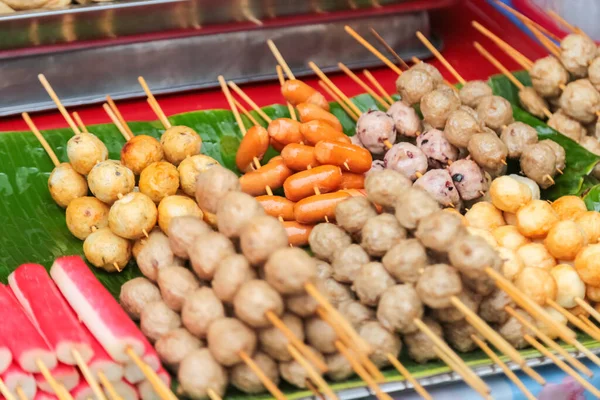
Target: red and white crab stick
[[5, 356], [14, 377], [102, 363], [146, 390], [66, 375], [133, 374]]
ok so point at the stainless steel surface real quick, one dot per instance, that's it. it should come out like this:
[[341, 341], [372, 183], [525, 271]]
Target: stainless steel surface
[[87, 75]]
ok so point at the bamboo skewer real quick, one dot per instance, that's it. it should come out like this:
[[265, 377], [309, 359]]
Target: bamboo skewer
[[562, 21], [454, 366], [268, 383], [591, 310], [56, 387], [378, 86], [248, 100], [573, 319], [409, 377], [115, 121], [5, 392], [525, 62], [232, 105], [154, 104], [115, 109], [338, 100], [157, 384], [245, 111], [79, 122], [314, 376], [212, 395], [548, 44], [108, 386], [314, 389], [525, 19], [389, 49], [334, 88], [589, 323], [363, 85], [280, 59], [20, 393], [281, 82], [89, 377], [41, 139], [373, 50], [59, 105], [440, 57]]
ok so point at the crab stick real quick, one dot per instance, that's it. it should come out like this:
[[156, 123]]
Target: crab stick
[[5, 356], [102, 362], [125, 390], [97, 309], [21, 337], [131, 371], [14, 377], [44, 396], [50, 313], [147, 391], [66, 375], [83, 391]]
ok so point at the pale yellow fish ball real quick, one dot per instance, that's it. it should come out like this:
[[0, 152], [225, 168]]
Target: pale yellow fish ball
[[509, 236], [593, 293], [133, 216], [557, 317], [569, 285], [464, 220], [536, 283], [535, 219], [141, 151], [508, 194], [159, 180], [66, 184], [85, 150], [179, 142], [176, 206], [589, 221], [485, 215], [565, 239], [109, 179], [512, 264], [86, 214], [138, 245], [487, 235], [569, 207], [104, 249], [510, 218], [587, 264], [190, 168], [536, 255]]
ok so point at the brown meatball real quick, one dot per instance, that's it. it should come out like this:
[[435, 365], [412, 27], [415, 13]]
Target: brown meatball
[[413, 84], [576, 52], [513, 331], [135, 294], [559, 153], [260, 237], [594, 72], [492, 307], [174, 346], [356, 313], [438, 284], [495, 112], [231, 274], [516, 137], [460, 126], [440, 230], [382, 341], [326, 239], [195, 385], [295, 374], [155, 255], [384, 187], [183, 231], [458, 335], [473, 91], [437, 105], [338, 367], [157, 319], [320, 335], [548, 75], [489, 152], [405, 119], [452, 314], [533, 102], [413, 205], [206, 253], [347, 262], [288, 270], [212, 185], [380, 233], [335, 292], [437, 148], [372, 280], [567, 126], [244, 379], [253, 300], [407, 159], [352, 214], [373, 128], [420, 347], [538, 162], [200, 309], [398, 307], [324, 269], [468, 178], [471, 254], [227, 338], [580, 100], [175, 284], [438, 183], [274, 342], [234, 210], [405, 260]]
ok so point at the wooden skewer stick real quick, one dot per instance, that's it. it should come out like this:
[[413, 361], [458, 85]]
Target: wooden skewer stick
[[232, 106], [41, 139], [6, 393], [440, 57], [338, 100], [108, 386], [248, 100], [20, 393], [562, 21], [373, 50], [587, 307], [389, 48], [378, 86], [573, 319], [89, 377], [314, 375], [266, 381], [363, 85], [409, 377], [56, 387], [417, 61], [507, 371], [549, 342], [280, 59], [589, 323], [213, 395], [115, 109], [245, 111], [157, 384], [314, 390], [115, 121], [56, 100], [525, 62], [548, 44], [281, 82], [79, 122], [335, 89], [454, 366], [562, 365], [155, 106], [524, 19]]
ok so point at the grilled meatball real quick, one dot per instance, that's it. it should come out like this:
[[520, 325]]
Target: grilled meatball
[[548, 75], [405, 260], [413, 85], [567, 125], [175, 284], [356, 313], [260, 237], [288, 270], [294, 373], [384, 187], [183, 232], [413, 205], [244, 379], [438, 183], [440, 230], [458, 335], [338, 367], [576, 53], [174, 346], [158, 319], [452, 314], [380, 233], [438, 284], [559, 153], [347, 262], [489, 152], [135, 294], [320, 335], [495, 112], [538, 162], [407, 159], [200, 309], [594, 73], [405, 119], [533, 102], [326, 239], [231, 274], [437, 148], [437, 105], [382, 341], [195, 385], [437, 77], [460, 126], [234, 210], [274, 342], [227, 337], [516, 137], [206, 253], [253, 300], [492, 307], [212, 185], [471, 255], [352, 214], [373, 129], [468, 178], [420, 347], [155, 255], [513, 331], [580, 100], [473, 91], [371, 281], [398, 307]]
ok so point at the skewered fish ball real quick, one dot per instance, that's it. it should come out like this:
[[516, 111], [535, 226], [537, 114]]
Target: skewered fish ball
[[532, 102], [513, 331], [380, 233], [179, 142], [468, 178], [398, 307], [589, 221], [235, 210], [516, 137], [133, 216], [206, 253], [420, 347], [494, 112], [471, 255], [190, 168], [439, 184], [538, 284], [587, 264], [509, 194], [580, 100], [175, 284], [407, 159], [559, 153], [103, 249], [157, 319], [141, 151], [353, 213], [195, 385], [261, 236], [452, 314], [155, 255], [536, 255], [439, 231], [473, 91], [183, 231], [512, 263], [437, 148], [548, 75], [370, 283], [65, 184], [176, 206], [227, 338], [320, 335], [274, 342], [460, 126], [347, 261], [109, 179], [576, 53], [405, 259], [288, 270], [253, 300], [232, 272], [382, 341], [557, 317], [437, 105], [85, 150], [535, 219], [135, 294], [569, 285], [384, 187], [355, 313], [435, 74], [565, 239], [200, 309], [594, 73], [405, 119], [174, 346], [84, 215], [338, 367], [535, 189], [567, 126], [326, 239], [373, 129], [438, 284], [212, 185], [489, 152], [538, 162], [458, 335], [244, 379], [159, 180], [493, 307], [294, 373], [413, 205], [413, 84]]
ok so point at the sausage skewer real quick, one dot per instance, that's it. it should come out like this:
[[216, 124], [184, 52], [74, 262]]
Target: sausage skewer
[[281, 82]]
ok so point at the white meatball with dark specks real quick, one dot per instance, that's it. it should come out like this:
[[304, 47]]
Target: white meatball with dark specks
[[405, 118], [373, 129], [468, 178], [407, 159], [437, 148], [438, 183]]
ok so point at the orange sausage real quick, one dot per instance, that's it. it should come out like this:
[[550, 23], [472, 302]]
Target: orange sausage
[[296, 92], [356, 158], [314, 209], [326, 178], [299, 157], [352, 181], [254, 144], [276, 145], [309, 112], [277, 206], [297, 233], [276, 159], [285, 131], [316, 131], [272, 174]]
